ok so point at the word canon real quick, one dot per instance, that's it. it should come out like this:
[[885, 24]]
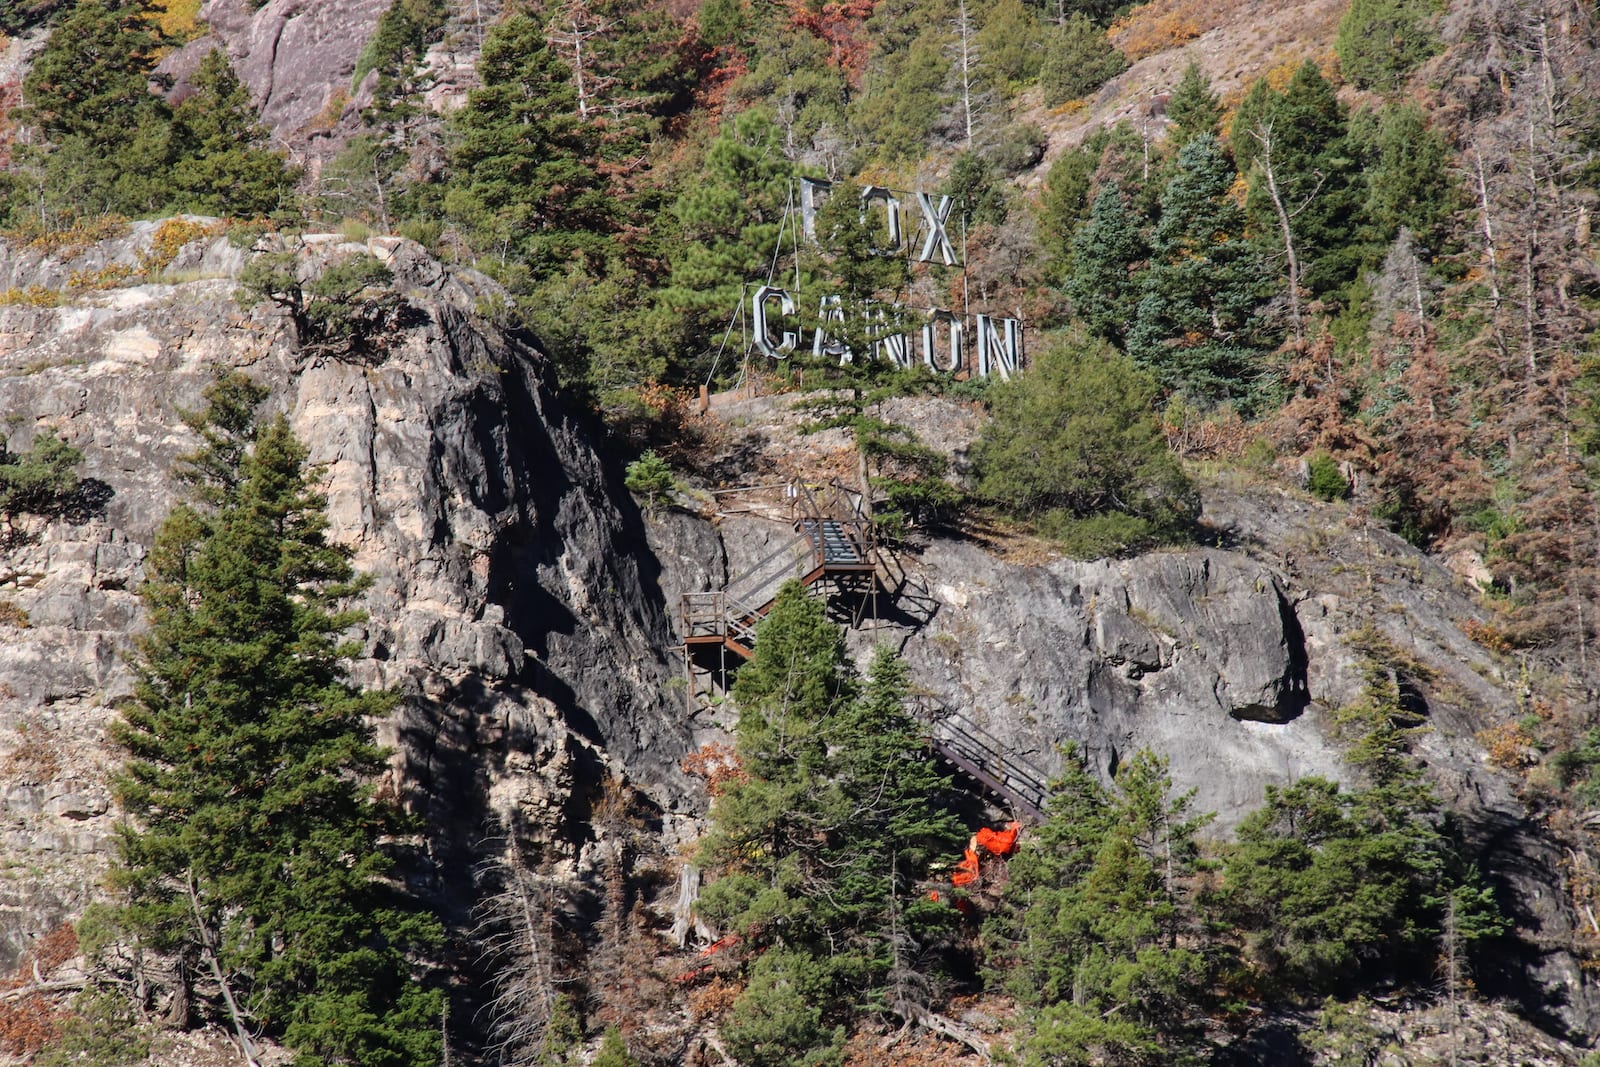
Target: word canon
[[939, 341], [936, 337]]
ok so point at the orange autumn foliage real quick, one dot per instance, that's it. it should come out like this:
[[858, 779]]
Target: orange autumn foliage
[[32, 1021]]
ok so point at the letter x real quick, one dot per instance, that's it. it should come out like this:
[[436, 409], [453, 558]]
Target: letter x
[[933, 220]]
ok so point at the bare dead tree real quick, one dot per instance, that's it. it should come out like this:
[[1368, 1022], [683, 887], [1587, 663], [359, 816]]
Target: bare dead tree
[[965, 48], [517, 928], [1262, 133]]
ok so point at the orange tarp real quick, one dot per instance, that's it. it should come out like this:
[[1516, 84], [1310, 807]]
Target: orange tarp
[[966, 870], [720, 944], [999, 842]]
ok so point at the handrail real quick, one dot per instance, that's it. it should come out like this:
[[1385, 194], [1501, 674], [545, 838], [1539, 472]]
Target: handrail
[[982, 755], [754, 579], [830, 532]]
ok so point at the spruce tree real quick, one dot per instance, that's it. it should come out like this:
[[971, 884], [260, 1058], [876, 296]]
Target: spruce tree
[[1194, 109], [222, 167], [1097, 934], [1317, 177], [1106, 251], [105, 136], [253, 851], [1197, 325], [819, 847], [525, 188]]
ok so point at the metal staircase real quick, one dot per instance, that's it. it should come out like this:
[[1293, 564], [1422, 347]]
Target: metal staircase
[[982, 757], [834, 554]]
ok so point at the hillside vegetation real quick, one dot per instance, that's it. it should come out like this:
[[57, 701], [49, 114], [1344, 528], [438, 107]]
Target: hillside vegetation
[[1364, 266]]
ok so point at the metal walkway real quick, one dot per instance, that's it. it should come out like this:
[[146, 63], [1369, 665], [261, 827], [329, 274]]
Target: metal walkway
[[834, 554]]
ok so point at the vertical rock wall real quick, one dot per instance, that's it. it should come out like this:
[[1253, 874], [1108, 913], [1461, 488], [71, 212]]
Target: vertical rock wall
[[513, 602]]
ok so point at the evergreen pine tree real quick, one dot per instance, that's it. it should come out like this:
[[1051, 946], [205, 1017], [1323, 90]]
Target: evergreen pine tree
[[39, 481], [1316, 176], [92, 78], [1194, 109], [1066, 202], [1079, 59], [254, 847], [1197, 326], [613, 1052], [820, 844], [221, 167], [106, 135], [1408, 183], [1075, 443], [1097, 931], [1255, 108], [1380, 41], [525, 187], [1106, 252], [375, 177], [727, 223]]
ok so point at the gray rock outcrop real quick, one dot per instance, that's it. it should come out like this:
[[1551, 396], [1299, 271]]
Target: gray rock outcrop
[[512, 602]]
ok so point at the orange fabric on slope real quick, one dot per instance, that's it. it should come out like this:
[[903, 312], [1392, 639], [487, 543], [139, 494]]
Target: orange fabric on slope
[[966, 870], [999, 842]]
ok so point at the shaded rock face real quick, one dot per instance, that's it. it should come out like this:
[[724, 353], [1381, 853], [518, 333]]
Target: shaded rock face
[[1197, 655], [1185, 653], [512, 601]]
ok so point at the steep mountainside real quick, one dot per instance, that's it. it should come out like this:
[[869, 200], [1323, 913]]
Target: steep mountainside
[[1272, 540]]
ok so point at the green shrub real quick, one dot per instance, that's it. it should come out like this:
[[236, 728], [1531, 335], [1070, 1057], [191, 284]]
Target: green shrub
[[101, 1030], [1079, 60], [1259, 455], [650, 477], [1381, 41], [1325, 481], [1019, 147], [349, 310], [1076, 439], [1099, 536], [40, 481]]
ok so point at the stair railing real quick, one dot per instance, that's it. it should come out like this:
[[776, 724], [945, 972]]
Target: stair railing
[[984, 757]]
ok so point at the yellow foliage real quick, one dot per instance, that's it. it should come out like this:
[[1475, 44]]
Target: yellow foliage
[[34, 296], [168, 241], [332, 111], [179, 19], [1278, 77], [1163, 24], [107, 277], [1508, 746], [70, 240], [1071, 107]]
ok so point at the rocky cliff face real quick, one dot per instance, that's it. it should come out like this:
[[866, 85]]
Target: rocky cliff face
[[298, 59], [511, 602], [296, 56]]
